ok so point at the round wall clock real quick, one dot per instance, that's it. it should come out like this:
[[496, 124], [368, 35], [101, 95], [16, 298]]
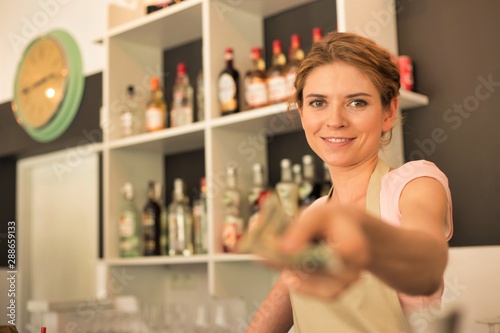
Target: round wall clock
[[48, 85]]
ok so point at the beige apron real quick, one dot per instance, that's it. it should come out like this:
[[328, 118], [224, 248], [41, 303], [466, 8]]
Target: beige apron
[[369, 306]]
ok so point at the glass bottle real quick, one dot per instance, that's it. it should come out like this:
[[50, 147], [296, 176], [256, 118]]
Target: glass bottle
[[200, 220], [180, 222], [129, 224], [221, 324], [151, 223], [317, 34], [156, 110], [229, 86], [287, 189], [310, 188], [296, 55], [160, 198], [277, 85], [255, 82], [200, 97], [257, 194], [327, 180], [129, 119], [233, 225], [182, 102]]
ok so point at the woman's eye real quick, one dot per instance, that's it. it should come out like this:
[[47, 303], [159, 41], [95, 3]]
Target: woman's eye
[[317, 103], [358, 103]]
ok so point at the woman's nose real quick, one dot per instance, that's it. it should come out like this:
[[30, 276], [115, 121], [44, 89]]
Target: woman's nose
[[335, 117]]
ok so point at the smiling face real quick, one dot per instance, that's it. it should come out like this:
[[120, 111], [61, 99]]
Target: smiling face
[[342, 114]]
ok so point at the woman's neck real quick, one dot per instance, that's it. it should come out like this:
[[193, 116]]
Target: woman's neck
[[350, 183]]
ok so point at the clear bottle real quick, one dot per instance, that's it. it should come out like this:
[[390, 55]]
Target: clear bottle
[[129, 118], [200, 220], [180, 222], [296, 55], [310, 188], [297, 174], [255, 82], [200, 97], [287, 189], [156, 110], [182, 102], [233, 225], [221, 324], [129, 225], [229, 86], [327, 181], [277, 85], [257, 194], [317, 34], [151, 223]]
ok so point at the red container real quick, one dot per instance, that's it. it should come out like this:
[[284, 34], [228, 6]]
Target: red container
[[405, 72]]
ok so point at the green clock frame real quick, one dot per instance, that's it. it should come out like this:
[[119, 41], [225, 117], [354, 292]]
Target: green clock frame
[[72, 95]]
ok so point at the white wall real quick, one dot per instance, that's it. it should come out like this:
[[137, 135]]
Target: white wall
[[22, 20]]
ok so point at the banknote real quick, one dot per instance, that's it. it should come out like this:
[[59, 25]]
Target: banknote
[[271, 225]]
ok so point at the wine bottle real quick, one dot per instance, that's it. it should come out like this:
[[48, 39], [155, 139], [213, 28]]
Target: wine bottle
[[310, 188], [129, 119], [182, 103], [151, 223], [277, 85], [156, 110], [255, 82], [327, 181], [200, 220], [160, 199], [296, 55], [317, 34], [233, 225], [180, 222], [200, 97], [257, 194], [129, 224], [287, 189], [229, 86]]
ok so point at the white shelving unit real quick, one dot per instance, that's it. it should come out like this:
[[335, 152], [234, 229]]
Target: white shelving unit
[[134, 46]]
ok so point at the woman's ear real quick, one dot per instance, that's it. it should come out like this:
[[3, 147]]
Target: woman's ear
[[390, 115]]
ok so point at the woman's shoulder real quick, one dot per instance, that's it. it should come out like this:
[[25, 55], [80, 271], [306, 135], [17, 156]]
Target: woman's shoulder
[[414, 169]]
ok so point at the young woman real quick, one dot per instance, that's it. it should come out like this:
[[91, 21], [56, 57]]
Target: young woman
[[389, 226]]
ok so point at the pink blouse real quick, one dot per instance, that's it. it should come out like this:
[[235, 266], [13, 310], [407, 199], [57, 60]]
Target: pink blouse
[[392, 186]]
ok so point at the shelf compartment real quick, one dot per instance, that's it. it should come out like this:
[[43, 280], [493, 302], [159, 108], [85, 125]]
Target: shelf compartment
[[160, 29], [157, 260], [168, 141]]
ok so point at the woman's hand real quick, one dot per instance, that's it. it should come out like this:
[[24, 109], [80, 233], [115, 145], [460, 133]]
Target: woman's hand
[[340, 229]]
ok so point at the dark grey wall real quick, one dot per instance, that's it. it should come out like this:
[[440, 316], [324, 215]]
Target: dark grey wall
[[455, 46]]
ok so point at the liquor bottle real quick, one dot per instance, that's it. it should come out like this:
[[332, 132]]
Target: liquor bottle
[[129, 119], [255, 82], [229, 86], [257, 194], [200, 97], [327, 180], [233, 225], [200, 220], [182, 102], [310, 188], [151, 223], [317, 34], [277, 85], [296, 55], [129, 224], [297, 174], [180, 222], [156, 109], [160, 198], [287, 189]]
